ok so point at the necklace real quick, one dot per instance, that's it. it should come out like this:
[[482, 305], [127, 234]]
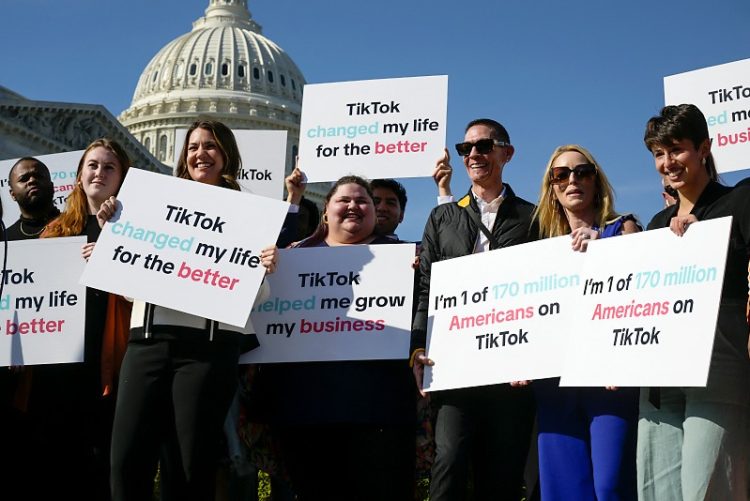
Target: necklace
[[32, 234]]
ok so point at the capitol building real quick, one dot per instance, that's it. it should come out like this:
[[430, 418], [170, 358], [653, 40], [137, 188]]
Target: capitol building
[[223, 69]]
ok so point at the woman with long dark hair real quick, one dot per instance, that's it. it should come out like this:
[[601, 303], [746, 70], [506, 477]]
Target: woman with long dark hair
[[180, 370]]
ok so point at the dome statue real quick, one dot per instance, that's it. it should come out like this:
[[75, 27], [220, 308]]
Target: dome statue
[[223, 69]]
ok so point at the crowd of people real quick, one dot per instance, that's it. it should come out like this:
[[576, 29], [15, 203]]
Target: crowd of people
[[161, 390]]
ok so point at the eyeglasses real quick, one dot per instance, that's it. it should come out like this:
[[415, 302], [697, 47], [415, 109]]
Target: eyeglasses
[[483, 146], [671, 191], [561, 175]]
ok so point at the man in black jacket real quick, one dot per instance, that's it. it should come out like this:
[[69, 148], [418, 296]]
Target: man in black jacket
[[488, 426]]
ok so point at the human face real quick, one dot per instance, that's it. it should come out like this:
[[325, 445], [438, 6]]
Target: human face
[[577, 195], [351, 215], [101, 177], [681, 164], [205, 160], [31, 187], [388, 213], [485, 170]]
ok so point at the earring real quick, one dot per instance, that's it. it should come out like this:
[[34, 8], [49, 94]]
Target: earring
[[325, 218], [703, 160]]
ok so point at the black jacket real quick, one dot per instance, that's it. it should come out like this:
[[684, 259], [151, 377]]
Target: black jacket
[[714, 202], [451, 232]]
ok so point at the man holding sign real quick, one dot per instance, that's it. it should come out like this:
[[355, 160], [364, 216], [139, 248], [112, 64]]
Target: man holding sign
[[490, 425]]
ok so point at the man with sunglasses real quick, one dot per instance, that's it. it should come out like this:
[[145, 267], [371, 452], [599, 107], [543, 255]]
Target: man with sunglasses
[[668, 193], [488, 426]]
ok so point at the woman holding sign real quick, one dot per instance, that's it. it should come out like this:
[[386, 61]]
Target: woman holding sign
[[73, 404], [347, 429], [587, 436], [179, 374], [692, 442]]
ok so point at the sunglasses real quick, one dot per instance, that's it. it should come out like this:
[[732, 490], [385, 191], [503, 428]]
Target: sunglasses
[[561, 175], [671, 191], [483, 146]]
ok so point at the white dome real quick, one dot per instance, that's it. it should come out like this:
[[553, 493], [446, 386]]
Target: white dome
[[225, 52], [223, 69]]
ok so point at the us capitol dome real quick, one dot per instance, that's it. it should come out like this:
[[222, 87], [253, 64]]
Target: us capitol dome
[[223, 69]]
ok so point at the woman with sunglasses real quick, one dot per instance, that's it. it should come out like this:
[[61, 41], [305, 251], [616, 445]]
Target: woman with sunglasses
[[587, 436], [692, 442]]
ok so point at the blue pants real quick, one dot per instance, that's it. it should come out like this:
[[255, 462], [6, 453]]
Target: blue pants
[[587, 442]]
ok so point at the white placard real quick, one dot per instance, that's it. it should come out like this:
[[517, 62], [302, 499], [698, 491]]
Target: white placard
[[263, 154], [373, 128], [62, 168], [501, 316], [337, 303], [185, 245], [42, 306], [723, 95], [648, 308]]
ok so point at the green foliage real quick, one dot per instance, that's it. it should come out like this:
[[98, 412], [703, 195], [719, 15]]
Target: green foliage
[[264, 487]]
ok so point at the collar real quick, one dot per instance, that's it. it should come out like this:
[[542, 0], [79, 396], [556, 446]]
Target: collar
[[490, 206], [471, 200]]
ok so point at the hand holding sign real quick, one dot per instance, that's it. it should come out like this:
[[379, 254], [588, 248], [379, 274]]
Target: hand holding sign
[[190, 252]]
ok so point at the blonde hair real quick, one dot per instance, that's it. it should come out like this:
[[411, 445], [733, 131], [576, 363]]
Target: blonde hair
[[550, 213]]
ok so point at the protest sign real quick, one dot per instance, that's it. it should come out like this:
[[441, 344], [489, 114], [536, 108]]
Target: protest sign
[[185, 245], [42, 306], [501, 316], [646, 316], [263, 154], [62, 167], [723, 95], [337, 303], [373, 128]]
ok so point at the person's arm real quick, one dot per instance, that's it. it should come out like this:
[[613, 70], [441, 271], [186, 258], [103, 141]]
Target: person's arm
[[442, 174], [295, 188], [630, 226], [429, 252], [680, 224], [106, 212]]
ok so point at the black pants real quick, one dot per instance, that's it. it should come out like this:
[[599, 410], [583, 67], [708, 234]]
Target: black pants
[[173, 398], [485, 430], [350, 462]]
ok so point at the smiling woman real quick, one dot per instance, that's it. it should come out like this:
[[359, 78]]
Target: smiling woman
[[351, 421], [179, 374], [72, 405], [692, 441], [348, 215]]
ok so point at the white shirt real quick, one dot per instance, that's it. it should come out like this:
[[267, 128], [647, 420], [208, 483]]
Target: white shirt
[[487, 213]]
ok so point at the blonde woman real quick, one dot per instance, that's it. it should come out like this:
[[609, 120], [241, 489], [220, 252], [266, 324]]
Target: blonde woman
[[587, 436]]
